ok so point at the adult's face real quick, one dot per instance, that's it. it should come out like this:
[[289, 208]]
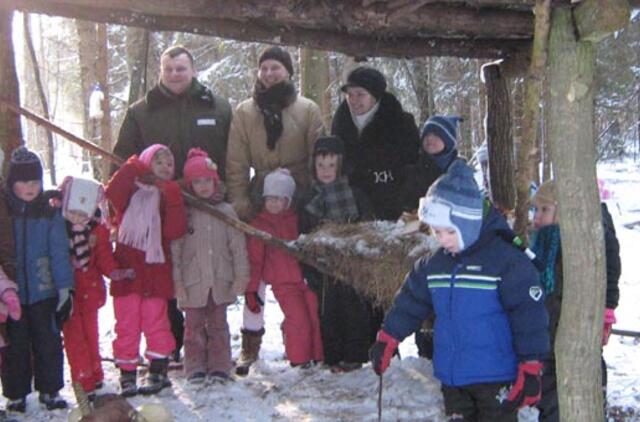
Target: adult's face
[[176, 73], [272, 72], [360, 100]]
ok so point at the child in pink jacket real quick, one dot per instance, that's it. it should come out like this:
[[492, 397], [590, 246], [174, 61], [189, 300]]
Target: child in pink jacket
[[210, 269], [301, 326], [150, 214], [92, 257], [9, 304]]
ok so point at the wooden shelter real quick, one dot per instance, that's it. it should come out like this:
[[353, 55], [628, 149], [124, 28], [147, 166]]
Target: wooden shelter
[[491, 29]]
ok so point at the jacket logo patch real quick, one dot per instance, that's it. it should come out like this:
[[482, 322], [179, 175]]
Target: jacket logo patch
[[474, 267], [383, 176], [206, 122], [535, 292]]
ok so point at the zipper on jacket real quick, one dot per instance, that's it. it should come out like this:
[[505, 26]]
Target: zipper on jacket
[[24, 253], [452, 281]]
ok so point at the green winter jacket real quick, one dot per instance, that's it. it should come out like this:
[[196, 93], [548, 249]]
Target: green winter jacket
[[197, 118]]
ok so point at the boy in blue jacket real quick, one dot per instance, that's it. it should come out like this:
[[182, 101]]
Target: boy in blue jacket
[[491, 326], [45, 278]]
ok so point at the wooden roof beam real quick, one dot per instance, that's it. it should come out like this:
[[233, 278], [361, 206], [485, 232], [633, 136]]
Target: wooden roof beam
[[351, 44]]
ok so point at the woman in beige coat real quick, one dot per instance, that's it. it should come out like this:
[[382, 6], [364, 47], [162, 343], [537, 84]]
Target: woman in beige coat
[[275, 128], [210, 269]]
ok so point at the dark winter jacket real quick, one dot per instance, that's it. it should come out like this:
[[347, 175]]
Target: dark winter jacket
[[488, 305], [374, 160], [7, 242], [418, 179], [553, 301], [197, 118], [42, 249]]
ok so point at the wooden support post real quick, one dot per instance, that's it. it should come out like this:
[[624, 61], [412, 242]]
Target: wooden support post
[[499, 138], [579, 336], [10, 130], [527, 153], [596, 19]]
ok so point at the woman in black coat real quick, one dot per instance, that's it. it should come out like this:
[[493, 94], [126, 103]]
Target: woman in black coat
[[380, 138]]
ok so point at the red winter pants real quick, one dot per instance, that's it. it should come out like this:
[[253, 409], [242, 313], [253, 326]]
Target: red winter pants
[[207, 346], [301, 325], [136, 315], [81, 344]]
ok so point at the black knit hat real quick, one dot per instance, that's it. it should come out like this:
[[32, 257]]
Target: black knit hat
[[367, 78], [277, 54], [24, 166], [329, 145]]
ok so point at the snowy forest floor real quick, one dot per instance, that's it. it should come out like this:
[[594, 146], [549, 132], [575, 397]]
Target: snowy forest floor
[[273, 391]]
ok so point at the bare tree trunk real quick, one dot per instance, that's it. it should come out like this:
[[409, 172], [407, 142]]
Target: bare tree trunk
[[420, 78], [102, 72], [10, 130], [42, 95], [577, 348], [499, 138], [315, 81], [87, 56], [528, 153], [137, 50]]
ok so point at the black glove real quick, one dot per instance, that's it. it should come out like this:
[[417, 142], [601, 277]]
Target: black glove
[[64, 306]]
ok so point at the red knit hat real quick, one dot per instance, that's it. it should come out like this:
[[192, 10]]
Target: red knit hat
[[199, 164]]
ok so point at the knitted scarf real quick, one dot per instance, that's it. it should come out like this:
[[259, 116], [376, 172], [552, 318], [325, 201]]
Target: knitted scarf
[[271, 101], [141, 227], [546, 245], [79, 242], [333, 201]]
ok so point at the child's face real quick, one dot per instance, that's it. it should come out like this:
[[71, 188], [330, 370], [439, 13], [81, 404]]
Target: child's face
[[432, 144], [447, 238], [27, 191], [77, 217], [162, 165], [203, 187], [276, 204], [326, 168], [544, 215]]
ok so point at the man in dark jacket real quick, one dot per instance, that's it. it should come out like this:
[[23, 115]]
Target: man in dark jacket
[[380, 139], [178, 112], [181, 113]]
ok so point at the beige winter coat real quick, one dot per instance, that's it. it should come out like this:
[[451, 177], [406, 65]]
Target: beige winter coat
[[247, 148], [210, 259]]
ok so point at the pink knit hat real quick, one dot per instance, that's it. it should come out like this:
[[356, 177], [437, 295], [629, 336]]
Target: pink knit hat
[[149, 152], [199, 165]]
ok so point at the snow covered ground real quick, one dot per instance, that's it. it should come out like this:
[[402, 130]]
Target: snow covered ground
[[275, 392]]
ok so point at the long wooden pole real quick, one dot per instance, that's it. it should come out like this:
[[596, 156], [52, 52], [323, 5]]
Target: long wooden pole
[[190, 199]]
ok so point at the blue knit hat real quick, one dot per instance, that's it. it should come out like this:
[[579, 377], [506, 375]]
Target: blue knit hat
[[446, 127], [455, 201]]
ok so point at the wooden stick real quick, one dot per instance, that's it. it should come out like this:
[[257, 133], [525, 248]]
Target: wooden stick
[[189, 198]]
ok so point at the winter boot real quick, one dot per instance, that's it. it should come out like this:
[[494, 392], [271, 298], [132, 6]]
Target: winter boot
[[251, 341], [157, 378], [128, 384], [17, 405], [52, 401]]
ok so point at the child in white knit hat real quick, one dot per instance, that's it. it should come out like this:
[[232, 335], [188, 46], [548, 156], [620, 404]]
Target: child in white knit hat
[[271, 265]]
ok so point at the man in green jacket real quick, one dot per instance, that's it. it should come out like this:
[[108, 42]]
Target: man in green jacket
[[181, 113], [178, 112]]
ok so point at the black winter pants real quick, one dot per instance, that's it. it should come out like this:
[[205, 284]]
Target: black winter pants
[[176, 318], [35, 350], [476, 403], [346, 322]]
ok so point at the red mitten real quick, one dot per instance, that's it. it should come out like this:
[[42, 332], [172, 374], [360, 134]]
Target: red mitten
[[527, 389], [11, 299], [381, 352], [253, 302], [609, 320]]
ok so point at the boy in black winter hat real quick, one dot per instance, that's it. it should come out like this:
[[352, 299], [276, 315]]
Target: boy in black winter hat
[[45, 279], [346, 318], [490, 320]]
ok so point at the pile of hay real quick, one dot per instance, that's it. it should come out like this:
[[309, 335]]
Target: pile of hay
[[373, 257]]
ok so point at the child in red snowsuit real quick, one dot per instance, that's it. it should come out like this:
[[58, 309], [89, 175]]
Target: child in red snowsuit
[[92, 257], [150, 213], [301, 326]]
